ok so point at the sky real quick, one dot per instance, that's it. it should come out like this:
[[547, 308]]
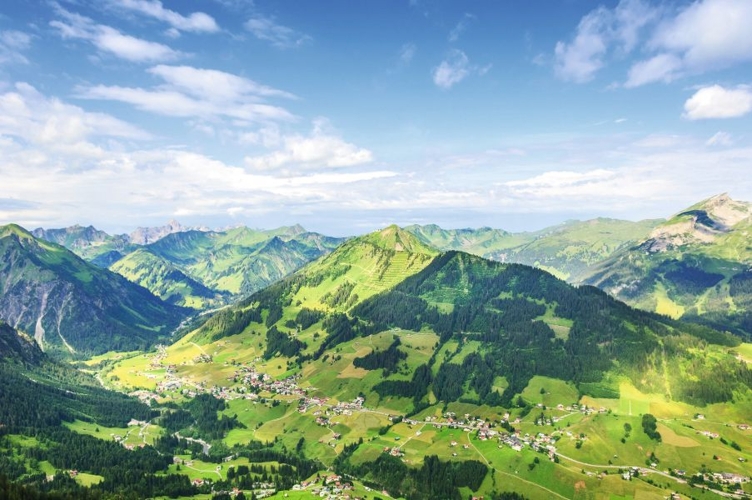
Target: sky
[[349, 115]]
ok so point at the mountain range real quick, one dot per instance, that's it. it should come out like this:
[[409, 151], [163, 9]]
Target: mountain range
[[693, 266], [196, 267], [377, 349], [364, 358]]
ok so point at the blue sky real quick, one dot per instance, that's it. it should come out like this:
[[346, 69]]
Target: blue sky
[[345, 116]]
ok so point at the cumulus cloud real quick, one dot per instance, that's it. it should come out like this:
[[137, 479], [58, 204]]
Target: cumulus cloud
[[579, 59], [704, 35], [197, 22], [598, 32], [279, 36], [63, 164], [321, 148], [718, 102], [28, 115], [194, 92], [111, 41]]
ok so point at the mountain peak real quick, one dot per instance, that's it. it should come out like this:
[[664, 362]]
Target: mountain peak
[[395, 238], [15, 229], [146, 235], [719, 212]]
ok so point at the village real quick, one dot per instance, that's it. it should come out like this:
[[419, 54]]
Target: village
[[250, 384]]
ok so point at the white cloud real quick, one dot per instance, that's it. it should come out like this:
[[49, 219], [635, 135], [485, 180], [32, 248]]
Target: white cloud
[[213, 84], [579, 60], [708, 34], [196, 92], [452, 70], [718, 102], [660, 141], [13, 39], [269, 137], [197, 22], [109, 40], [704, 35], [562, 179], [281, 37], [721, 139], [407, 52], [28, 115], [61, 164], [322, 148], [593, 188], [460, 28], [598, 31], [12, 44], [660, 68]]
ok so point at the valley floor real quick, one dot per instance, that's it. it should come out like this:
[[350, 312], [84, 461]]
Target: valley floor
[[559, 446]]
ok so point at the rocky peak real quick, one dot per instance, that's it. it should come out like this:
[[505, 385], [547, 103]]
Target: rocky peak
[[146, 235], [701, 223]]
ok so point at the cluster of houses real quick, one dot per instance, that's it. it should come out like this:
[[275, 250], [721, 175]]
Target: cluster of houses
[[394, 451], [346, 408], [259, 382], [729, 478], [332, 487], [308, 403], [725, 478], [711, 435], [260, 489]]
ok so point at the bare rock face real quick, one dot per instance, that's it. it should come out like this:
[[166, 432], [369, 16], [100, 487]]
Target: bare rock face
[[700, 224], [146, 235]]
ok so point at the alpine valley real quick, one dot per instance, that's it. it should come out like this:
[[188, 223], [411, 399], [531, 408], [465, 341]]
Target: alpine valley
[[600, 359]]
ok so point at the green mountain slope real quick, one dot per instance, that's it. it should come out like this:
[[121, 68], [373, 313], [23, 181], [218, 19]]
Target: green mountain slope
[[199, 269], [358, 269], [165, 280], [88, 243], [569, 249], [72, 306], [695, 266], [483, 241], [566, 250], [390, 362], [524, 322], [241, 261]]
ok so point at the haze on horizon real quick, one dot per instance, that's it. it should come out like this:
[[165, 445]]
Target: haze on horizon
[[515, 115]]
